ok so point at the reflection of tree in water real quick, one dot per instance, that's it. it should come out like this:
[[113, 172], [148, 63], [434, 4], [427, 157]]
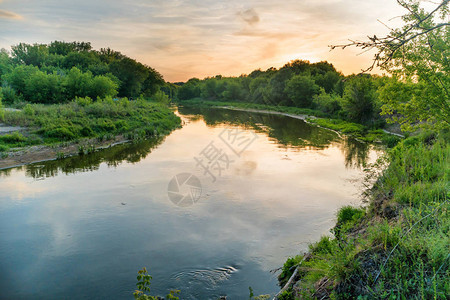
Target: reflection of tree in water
[[114, 156], [287, 131], [356, 153], [7, 172]]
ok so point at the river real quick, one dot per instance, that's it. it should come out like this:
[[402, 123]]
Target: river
[[210, 209]]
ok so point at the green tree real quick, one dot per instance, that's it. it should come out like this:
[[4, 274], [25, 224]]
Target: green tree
[[6, 64], [191, 89], [30, 54], [18, 77], [44, 88], [81, 60], [233, 91], [359, 99], [2, 113], [275, 93], [257, 89], [102, 86], [328, 80], [135, 77], [418, 52], [78, 83], [301, 89], [208, 89]]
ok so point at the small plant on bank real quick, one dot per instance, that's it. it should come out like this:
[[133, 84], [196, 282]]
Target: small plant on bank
[[143, 287], [60, 155]]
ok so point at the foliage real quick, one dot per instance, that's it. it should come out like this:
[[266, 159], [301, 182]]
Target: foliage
[[301, 90], [417, 55], [398, 246], [328, 103], [161, 97], [359, 99], [60, 71], [299, 84], [421, 56], [84, 118], [2, 114], [288, 269], [143, 287]]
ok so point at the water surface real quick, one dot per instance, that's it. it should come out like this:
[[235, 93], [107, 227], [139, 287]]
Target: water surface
[[82, 227]]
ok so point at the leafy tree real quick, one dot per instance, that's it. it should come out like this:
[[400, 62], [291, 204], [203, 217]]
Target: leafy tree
[[153, 82], [64, 48], [328, 80], [359, 99], [43, 88], [208, 89], [276, 89], [102, 87], [418, 53], [6, 64], [257, 89], [18, 77], [107, 55], [30, 54], [81, 60], [135, 77], [298, 66], [191, 89], [233, 91], [2, 113], [301, 90], [78, 83]]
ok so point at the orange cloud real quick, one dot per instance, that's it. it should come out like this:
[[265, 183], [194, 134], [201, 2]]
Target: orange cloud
[[9, 15]]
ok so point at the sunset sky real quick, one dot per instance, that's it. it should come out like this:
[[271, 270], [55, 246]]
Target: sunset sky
[[199, 38]]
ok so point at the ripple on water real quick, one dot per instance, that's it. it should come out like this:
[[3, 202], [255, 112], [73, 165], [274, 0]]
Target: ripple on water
[[209, 277]]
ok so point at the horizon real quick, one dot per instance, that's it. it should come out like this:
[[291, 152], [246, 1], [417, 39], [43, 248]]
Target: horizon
[[183, 40]]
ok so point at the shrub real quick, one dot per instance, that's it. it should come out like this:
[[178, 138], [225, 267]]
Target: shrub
[[28, 110], [62, 133], [327, 103]]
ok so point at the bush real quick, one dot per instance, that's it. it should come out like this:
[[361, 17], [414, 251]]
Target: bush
[[28, 110], [62, 133], [161, 97], [9, 95], [327, 103], [15, 137]]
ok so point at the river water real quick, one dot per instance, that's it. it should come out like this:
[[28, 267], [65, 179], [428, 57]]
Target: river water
[[81, 227]]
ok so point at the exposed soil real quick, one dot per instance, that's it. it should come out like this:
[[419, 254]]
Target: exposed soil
[[40, 153]]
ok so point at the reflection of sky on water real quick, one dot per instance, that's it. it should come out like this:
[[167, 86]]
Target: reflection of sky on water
[[70, 232]]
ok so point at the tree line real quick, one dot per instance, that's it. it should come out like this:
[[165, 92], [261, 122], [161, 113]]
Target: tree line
[[298, 83], [60, 71]]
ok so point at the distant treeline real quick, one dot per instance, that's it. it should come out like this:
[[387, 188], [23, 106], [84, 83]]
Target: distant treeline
[[298, 83], [61, 71]]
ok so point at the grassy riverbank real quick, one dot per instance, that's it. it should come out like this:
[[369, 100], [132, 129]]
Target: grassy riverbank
[[316, 117], [82, 119], [396, 247]]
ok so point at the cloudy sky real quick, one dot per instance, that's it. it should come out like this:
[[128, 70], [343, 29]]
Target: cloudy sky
[[187, 38]]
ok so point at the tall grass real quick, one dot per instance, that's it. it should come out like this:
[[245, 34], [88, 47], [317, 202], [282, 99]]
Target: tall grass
[[398, 246]]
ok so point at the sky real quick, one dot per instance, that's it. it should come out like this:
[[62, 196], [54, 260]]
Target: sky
[[199, 38]]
